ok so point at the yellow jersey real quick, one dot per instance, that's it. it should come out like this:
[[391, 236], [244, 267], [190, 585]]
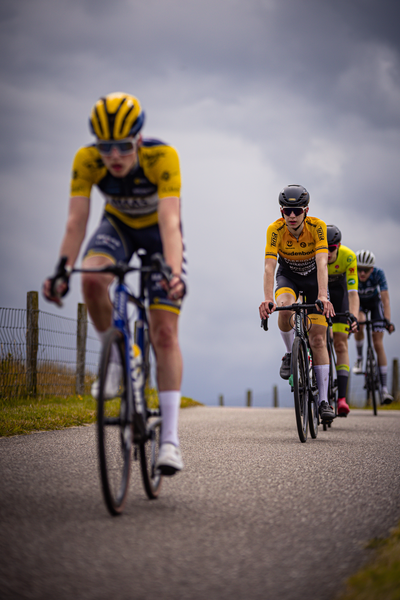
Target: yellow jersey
[[133, 198], [297, 254], [344, 267]]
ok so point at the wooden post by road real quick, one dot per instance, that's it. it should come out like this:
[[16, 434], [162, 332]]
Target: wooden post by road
[[276, 398], [395, 380], [32, 341], [81, 332], [221, 400], [249, 397]]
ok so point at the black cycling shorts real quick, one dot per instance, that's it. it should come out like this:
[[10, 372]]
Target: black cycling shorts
[[376, 307], [293, 283], [117, 241]]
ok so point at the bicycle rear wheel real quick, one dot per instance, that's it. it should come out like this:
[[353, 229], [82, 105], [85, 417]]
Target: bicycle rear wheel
[[371, 383], [114, 430], [149, 450], [300, 390], [313, 415]]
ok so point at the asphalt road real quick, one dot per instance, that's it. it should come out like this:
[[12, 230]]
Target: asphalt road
[[255, 514]]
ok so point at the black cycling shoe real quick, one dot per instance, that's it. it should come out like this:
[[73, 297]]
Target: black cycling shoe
[[285, 366], [326, 412]]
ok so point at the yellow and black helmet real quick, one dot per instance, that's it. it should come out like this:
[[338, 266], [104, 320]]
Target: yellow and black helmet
[[116, 116]]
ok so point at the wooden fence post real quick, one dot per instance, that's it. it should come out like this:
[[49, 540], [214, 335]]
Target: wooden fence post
[[395, 380], [221, 400], [32, 341], [249, 397], [276, 399], [81, 332]]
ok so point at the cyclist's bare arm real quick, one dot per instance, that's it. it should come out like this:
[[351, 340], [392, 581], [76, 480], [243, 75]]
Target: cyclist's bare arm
[[74, 235], [171, 236], [386, 308], [322, 278], [269, 279], [354, 307]]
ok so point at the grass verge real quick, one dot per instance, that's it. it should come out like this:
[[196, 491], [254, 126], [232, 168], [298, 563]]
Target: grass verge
[[24, 415], [380, 578]]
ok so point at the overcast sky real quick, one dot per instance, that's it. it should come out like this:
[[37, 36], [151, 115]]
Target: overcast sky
[[254, 95]]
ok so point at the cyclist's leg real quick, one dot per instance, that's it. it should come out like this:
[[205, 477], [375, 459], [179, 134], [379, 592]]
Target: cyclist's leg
[[108, 244], [163, 323], [377, 339], [285, 294], [340, 300], [359, 339]]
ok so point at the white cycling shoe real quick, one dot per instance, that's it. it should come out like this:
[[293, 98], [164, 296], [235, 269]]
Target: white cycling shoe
[[358, 366], [169, 460], [113, 381]]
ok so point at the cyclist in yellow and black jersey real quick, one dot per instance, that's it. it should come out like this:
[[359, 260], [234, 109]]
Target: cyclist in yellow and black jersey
[[343, 293], [299, 243], [140, 181]]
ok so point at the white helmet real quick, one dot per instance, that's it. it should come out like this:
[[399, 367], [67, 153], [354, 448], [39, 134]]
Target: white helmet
[[365, 258]]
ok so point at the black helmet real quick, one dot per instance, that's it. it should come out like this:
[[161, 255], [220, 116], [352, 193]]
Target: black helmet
[[294, 195], [334, 234]]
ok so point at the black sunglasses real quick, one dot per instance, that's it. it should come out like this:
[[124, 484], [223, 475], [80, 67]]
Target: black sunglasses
[[333, 247], [364, 269], [123, 146], [296, 210]]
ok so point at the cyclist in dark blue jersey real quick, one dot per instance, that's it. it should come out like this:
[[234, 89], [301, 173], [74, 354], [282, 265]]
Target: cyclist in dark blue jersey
[[374, 296]]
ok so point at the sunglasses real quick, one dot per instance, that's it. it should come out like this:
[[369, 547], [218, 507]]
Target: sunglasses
[[333, 247], [296, 210], [123, 146], [364, 269]]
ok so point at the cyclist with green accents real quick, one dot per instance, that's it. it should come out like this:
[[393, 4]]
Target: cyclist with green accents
[[343, 293]]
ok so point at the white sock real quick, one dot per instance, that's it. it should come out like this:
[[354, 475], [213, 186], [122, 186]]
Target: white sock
[[288, 337], [170, 403], [322, 375], [115, 358]]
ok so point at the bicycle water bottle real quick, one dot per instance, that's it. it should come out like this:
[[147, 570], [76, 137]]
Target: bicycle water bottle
[[309, 362], [137, 375]]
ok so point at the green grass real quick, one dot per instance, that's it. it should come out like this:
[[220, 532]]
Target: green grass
[[23, 415], [380, 578], [393, 406]]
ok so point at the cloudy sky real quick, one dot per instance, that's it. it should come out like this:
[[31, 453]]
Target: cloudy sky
[[254, 95]]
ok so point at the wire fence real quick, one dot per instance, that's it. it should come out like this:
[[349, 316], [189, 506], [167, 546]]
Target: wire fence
[[55, 345]]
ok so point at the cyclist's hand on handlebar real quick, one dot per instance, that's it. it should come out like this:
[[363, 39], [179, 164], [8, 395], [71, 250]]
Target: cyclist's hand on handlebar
[[266, 308], [56, 287], [324, 306], [389, 326], [353, 323], [176, 287]]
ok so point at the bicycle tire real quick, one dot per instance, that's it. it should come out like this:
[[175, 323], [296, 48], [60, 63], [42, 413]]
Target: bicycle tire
[[313, 414], [114, 428], [371, 384], [300, 390], [332, 380], [150, 448]]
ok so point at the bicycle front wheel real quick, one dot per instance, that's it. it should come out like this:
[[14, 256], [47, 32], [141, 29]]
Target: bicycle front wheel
[[372, 390], [114, 430], [300, 389]]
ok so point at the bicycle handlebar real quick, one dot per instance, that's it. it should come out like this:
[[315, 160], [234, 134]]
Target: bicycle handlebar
[[120, 269], [295, 307]]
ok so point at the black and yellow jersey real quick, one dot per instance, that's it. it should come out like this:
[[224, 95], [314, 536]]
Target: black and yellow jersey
[[344, 267], [133, 198], [297, 255]]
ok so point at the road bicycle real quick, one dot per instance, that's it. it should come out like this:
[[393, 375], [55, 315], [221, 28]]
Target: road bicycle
[[302, 379], [126, 425], [372, 384]]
